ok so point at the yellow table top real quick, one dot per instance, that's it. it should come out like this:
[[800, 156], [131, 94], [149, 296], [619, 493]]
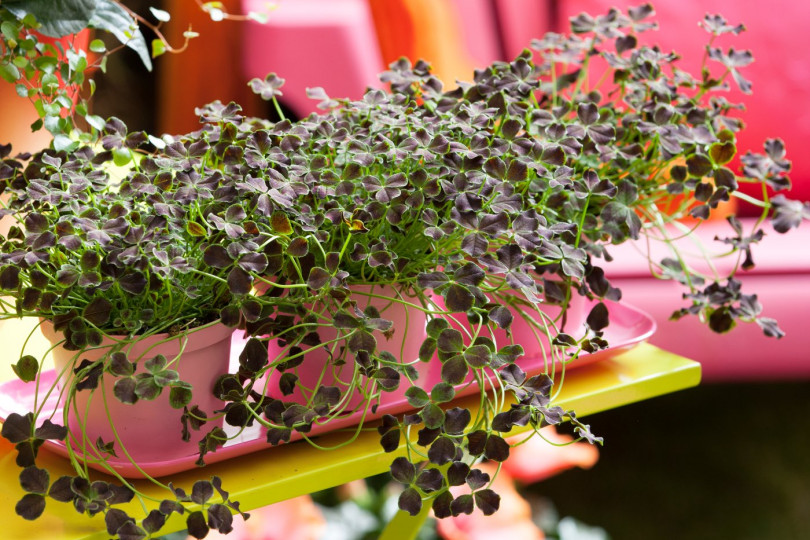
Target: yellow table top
[[287, 471]]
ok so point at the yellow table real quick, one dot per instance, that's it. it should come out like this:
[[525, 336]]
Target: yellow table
[[295, 469]]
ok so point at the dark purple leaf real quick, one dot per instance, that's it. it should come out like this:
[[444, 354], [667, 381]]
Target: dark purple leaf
[[17, 428], [410, 501], [441, 505], [114, 519], [220, 518], [10, 278], [462, 504], [50, 431], [487, 501], [362, 341], [403, 470], [30, 507], [239, 281], [430, 480], [318, 278], [496, 448], [197, 525], [458, 298], [456, 419], [454, 370], [216, 256], [474, 244], [443, 450], [34, 480], [450, 340]]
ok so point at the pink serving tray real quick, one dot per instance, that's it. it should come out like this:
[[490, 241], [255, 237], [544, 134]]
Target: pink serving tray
[[628, 327]]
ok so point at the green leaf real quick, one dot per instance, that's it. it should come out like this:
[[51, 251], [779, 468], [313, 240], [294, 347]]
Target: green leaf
[[179, 396], [97, 46], [46, 64], [158, 48], [26, 368], [64, 143], [435, 327], [122, 156], [450, 341], [477, 356]]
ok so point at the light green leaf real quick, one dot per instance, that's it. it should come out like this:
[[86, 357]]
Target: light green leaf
[[97, 46], [95, 121], [9, 72], [121, 156], [156, 142], [63, 142], [9, 29], [158, 48], [46, 64], [159, 14]]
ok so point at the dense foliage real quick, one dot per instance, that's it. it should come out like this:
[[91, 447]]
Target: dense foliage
[[475, 208]]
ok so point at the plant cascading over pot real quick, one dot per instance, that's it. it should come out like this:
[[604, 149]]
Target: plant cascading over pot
[[394, 243]]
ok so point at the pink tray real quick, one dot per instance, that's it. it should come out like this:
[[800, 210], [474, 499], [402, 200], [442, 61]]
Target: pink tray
[[628, 327]]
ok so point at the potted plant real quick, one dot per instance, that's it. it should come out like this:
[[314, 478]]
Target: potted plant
[[410, 246], [46, 55]]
